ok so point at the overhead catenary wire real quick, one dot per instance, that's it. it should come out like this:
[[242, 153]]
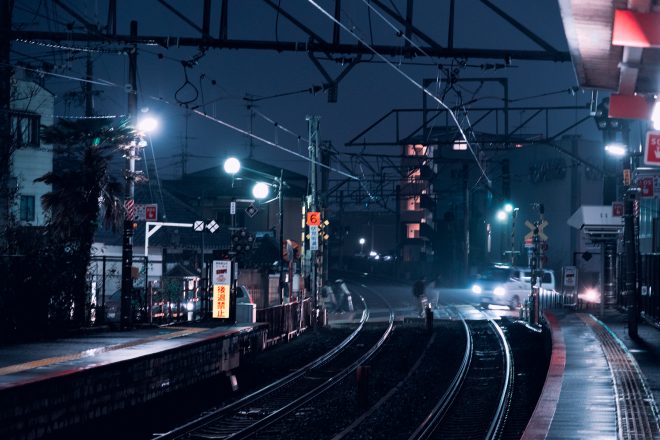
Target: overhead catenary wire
[[197, 112], [402, 73]]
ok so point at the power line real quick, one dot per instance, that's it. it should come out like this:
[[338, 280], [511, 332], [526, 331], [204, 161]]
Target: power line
[[406, 76]]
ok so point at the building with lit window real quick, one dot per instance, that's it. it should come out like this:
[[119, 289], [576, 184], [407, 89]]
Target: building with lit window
[[31, 107], [416, 207]]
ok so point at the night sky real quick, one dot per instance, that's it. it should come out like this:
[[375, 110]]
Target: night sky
[[220, 80]]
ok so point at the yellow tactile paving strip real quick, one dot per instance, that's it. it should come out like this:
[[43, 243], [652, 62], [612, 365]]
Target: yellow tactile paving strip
[[11, 369]]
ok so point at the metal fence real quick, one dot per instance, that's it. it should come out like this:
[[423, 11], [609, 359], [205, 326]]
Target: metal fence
[[104, 281], [287, 319]]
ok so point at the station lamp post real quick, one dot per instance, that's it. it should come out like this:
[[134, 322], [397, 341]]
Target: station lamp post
[[362, 241], [260, 191], [502, 215], [143, 126]]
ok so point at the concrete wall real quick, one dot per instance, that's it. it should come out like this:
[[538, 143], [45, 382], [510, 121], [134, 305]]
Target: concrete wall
[[76, 396]]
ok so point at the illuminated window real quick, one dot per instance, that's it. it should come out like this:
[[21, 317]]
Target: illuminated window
[[413, 230], [414, 175], [412, 203], [416, 150]]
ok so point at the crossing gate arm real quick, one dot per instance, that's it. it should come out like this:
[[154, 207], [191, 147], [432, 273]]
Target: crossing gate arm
[[149, 231]]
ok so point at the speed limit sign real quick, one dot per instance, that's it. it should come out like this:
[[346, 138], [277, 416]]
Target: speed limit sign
[[313, 218]]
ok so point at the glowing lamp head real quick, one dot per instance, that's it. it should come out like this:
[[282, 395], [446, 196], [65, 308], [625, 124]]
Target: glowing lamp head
[[147, 124], [476, 289], [260, 190], [616, 149], [362, 241], [508, 208], [501, 215], [232, 165]]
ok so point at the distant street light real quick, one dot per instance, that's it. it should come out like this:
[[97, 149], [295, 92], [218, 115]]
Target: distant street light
[[260, 190], [508, 208], [501, 215], [616, 149], [232, 166], [147, 124], [362, 241], [144, 126]]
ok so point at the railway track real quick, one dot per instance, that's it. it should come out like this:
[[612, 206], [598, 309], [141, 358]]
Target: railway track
[[475, 405], [266, 406]]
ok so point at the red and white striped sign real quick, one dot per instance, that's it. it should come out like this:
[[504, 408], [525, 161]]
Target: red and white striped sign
[[129, 209]]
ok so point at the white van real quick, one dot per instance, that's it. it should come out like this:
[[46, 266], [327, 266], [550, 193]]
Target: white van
[[509, 286]]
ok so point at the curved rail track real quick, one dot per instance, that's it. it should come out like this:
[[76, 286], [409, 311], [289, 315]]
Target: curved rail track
[[476, 403], [264, 407], [474, 396]]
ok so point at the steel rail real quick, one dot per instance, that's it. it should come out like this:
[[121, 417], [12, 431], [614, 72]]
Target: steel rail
[[429, 424], [507, 388], [314, 393], [270, 388], [242, 430]]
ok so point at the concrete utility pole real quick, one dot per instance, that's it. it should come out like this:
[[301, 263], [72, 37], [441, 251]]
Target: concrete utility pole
[[129, 197], [280, 211], [6, 9], [87, 87], [313, 124], [325, 185], [630, 252]]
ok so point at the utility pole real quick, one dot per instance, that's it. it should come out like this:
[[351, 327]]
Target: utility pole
[[325, 176], [630, 252], [466, 221], [87, 86], [6, 9], [514, 214], [313, 124], [536, 265], [280, 209], [129, 196]]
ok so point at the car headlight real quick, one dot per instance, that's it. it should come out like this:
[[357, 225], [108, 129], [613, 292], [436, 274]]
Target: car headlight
[[476, 289], [190, 306], [499, 291]]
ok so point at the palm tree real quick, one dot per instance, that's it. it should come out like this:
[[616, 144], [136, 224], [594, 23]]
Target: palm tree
[[84, 193]]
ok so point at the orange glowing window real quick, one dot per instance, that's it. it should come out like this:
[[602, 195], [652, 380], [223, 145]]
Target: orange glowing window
[[416, 150], [413, 230], [412, 203]]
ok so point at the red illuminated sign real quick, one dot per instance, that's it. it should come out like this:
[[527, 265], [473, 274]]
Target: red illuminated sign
[[652, 148]]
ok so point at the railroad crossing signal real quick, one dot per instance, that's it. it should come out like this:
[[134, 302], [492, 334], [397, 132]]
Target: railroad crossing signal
[[251, 210], [531, 226], [212, 226], [313, 218]]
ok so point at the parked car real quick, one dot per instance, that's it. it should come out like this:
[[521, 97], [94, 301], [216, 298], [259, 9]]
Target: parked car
[[509, 286]]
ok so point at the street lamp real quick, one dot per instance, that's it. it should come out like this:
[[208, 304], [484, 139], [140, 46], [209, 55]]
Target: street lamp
[[362, 241], [260, 191], [232, 166], [616, 149], [143, 127], [147, 124], [502, 216]]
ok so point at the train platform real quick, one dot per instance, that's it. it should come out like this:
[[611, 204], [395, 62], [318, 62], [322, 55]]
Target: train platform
[[66, 381], [601, 384]]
